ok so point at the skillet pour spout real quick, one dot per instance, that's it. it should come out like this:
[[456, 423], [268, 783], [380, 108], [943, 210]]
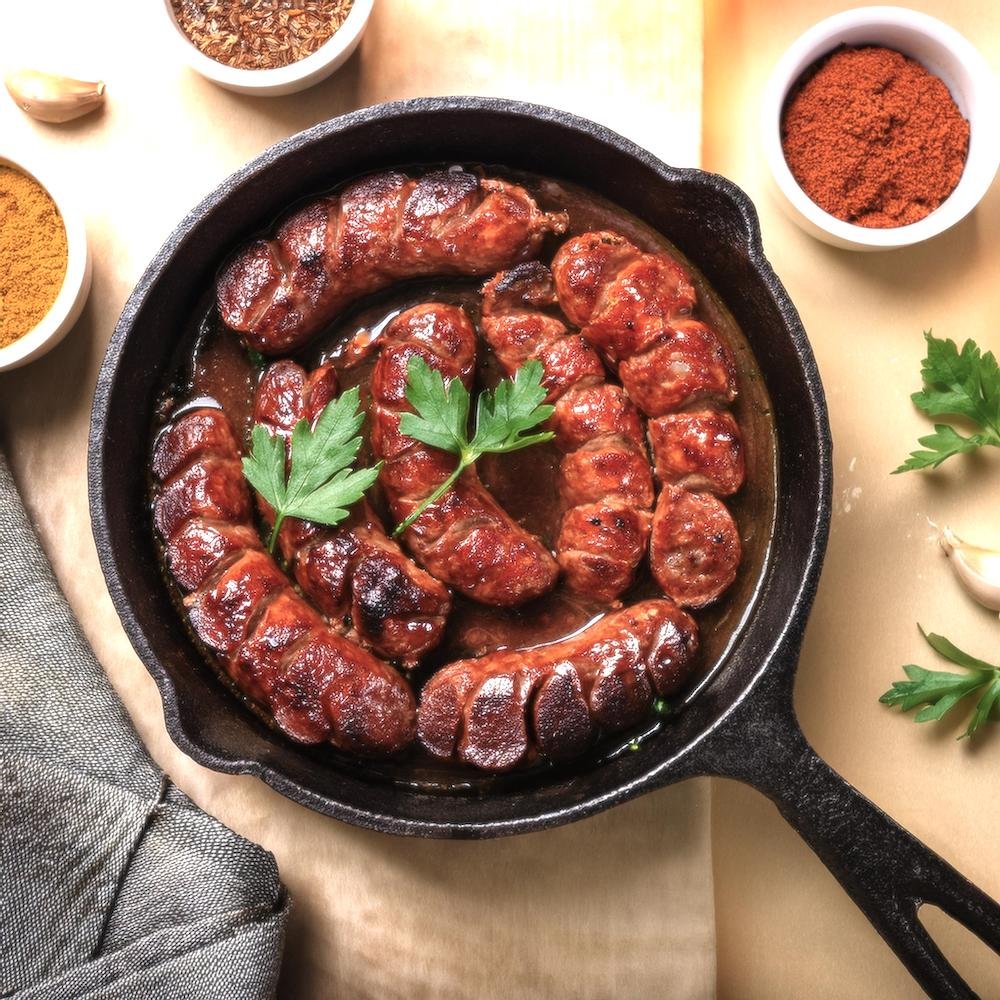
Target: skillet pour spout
[[740, 723]]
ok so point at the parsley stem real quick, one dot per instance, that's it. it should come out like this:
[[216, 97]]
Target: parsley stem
[[273, 540], [466, 460]]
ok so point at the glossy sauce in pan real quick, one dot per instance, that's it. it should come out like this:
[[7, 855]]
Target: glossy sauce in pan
[[212, 365]]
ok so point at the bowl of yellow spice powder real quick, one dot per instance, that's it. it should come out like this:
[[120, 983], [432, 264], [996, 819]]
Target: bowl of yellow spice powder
[[44, 265]]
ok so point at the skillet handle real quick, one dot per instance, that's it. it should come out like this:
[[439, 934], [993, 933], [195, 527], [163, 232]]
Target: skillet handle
[[885, 870]]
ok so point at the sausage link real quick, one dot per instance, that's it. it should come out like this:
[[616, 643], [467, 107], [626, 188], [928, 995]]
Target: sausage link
[[382, 228], [624, 300], [695, 546], [604, 478], [465, 539], [503, 709], [636, 309], [701, 450], [317, 684], [353, 573]]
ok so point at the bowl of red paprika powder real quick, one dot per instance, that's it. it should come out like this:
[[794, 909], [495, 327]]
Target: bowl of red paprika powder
[[879, 128]]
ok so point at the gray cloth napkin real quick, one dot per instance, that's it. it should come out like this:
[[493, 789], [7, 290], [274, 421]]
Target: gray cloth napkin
[[112, 883]]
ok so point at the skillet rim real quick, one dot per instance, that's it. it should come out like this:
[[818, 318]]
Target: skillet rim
[[781, 651]]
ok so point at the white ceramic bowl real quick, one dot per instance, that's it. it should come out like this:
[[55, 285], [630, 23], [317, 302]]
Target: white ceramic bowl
[[943, 51], [285, 79], [68, 304]]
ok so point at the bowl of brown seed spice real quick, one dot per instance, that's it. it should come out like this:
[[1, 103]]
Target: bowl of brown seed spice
[[267, 47], [45, 264]]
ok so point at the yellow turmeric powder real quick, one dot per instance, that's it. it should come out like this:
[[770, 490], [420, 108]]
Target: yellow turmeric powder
[[33, 253]]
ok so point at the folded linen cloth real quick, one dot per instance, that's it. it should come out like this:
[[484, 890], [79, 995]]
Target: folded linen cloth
[[112, 882]]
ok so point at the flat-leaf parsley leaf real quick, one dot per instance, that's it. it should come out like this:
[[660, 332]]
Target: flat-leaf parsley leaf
[[940, 690], [503, 418], [316, 481], [962, 383]]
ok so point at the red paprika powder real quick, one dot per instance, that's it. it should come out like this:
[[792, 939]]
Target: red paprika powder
[[874, 138]]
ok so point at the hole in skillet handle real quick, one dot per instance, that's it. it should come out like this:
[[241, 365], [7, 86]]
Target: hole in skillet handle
[[979, 963]]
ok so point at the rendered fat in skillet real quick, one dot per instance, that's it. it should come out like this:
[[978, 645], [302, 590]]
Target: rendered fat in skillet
[[503, 709], [605, 478], [636, 309], [380, 229], [352, 572], [317, 684], [465, 539]]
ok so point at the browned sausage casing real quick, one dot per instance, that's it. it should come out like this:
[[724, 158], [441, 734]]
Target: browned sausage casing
[[636, 309], [605, 478], [317, 684], [353, 573], [382, 228], [502, 709], [465, 539], [695, 547], [700, 450]]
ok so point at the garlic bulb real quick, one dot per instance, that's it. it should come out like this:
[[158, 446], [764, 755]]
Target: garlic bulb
[[977, 569], [52, 98]]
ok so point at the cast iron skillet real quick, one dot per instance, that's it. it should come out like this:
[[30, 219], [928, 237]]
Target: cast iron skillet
[[741, 726]]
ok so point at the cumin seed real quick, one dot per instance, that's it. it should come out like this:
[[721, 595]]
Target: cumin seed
[[260, 34]]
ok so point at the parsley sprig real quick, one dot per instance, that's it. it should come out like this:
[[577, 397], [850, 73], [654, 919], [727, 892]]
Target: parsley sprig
[[315, 481], [503, 418], [958, 383], [940, 690]]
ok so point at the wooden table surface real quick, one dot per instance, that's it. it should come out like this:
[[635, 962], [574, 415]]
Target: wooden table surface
[[621, 905]]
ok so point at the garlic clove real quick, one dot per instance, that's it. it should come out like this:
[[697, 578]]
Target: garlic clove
[[52, 98], [977, 569]]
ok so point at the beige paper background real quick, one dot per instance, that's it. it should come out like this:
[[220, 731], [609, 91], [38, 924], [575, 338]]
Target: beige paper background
[[785, 928], [616, 906]]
